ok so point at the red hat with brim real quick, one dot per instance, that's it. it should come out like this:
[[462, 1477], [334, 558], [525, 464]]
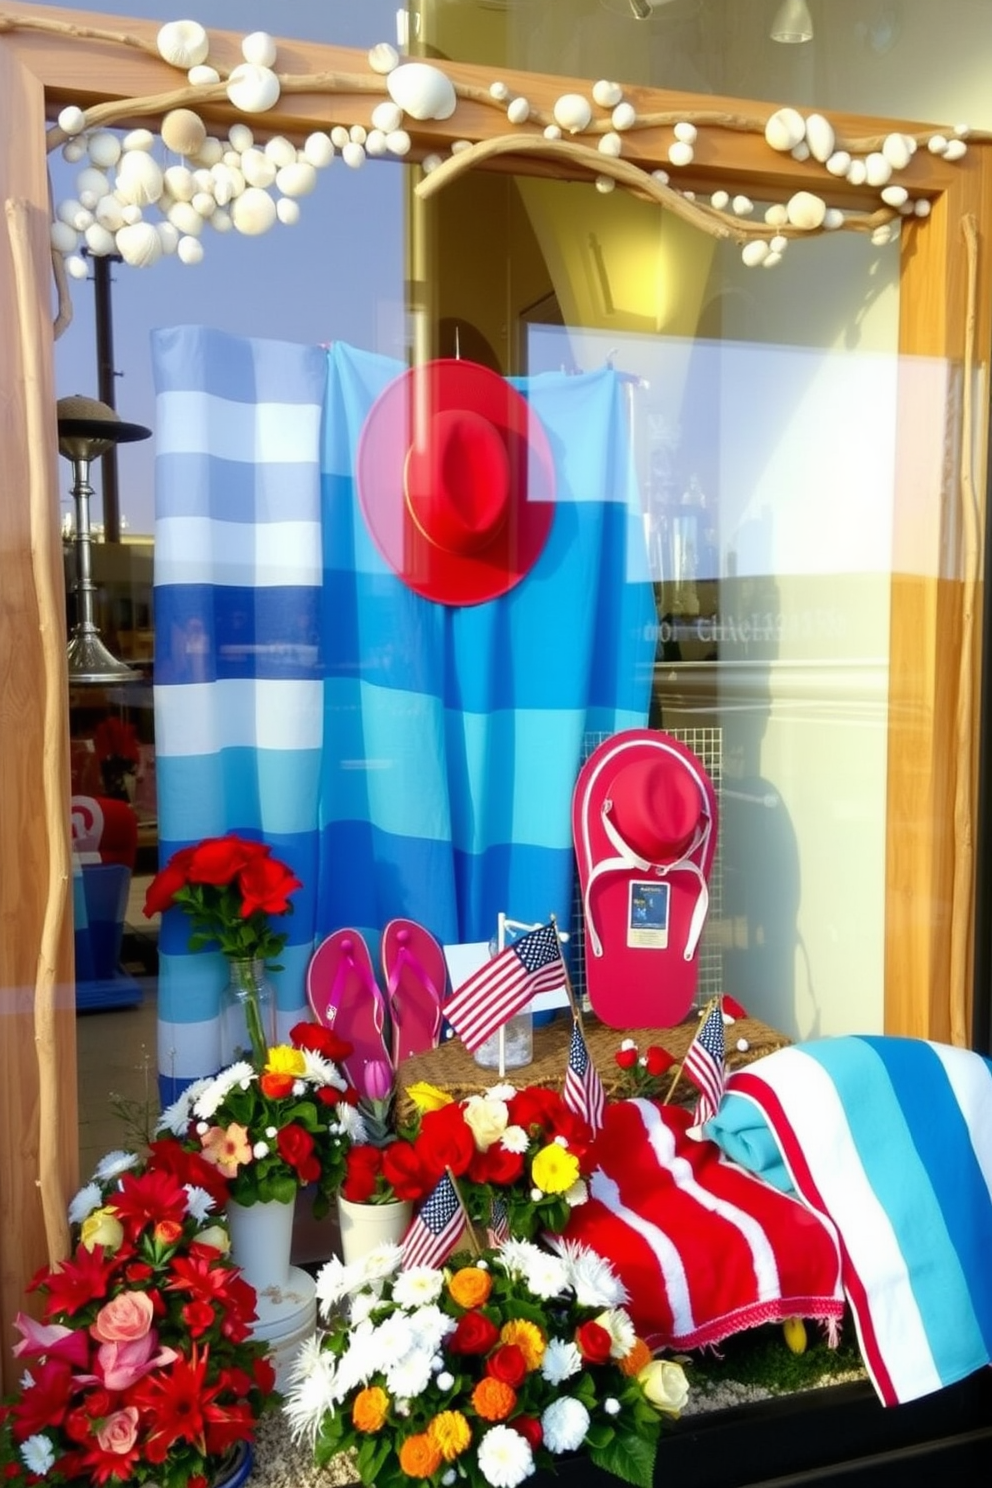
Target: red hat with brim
[[456, 481]]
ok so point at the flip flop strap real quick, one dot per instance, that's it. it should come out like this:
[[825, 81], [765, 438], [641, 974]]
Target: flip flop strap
[[347, 963], [627, 859], [405, 957]]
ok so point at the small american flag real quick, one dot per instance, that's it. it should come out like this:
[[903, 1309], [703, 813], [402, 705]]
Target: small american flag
[[435, 1229], [504, 985], [499, 1221], [583, 1089], [704, 1064]]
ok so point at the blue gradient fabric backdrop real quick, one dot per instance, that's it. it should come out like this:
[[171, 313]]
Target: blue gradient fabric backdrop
[[404, 757]]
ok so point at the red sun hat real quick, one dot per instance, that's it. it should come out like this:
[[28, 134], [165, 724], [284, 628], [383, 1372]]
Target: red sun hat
[[656, 809], [456, 481]]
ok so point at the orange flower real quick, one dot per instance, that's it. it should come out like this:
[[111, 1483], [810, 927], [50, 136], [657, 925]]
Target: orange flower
[[227, 1150], [369, 1410], [420, 1456], [276, 1084], [635, 1361], [493, 1399], [528, 1338], [450, 1433], [470, 1287], [167, 1231]]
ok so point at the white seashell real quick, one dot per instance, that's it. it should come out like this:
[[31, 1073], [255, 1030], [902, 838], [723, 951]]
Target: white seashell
[[857, 173], [518, 111], [63, 237], [288, 211], [296, 179], [833, 218], [457, 146], [778, 244], [353, 155], [209, 152], [937, 144], [689, 195], [962, 130], [253, 90], [259, 48], [383, 57], [895, 148], [611, 144], [89, 199], [820, 137], [202, 76], [203, 180], [422, 91], [179, 183], [680, 153], [605, 184], [103, 148], [376, 145], [839, 163], [258, 168], [743, 206], [770, 260], [253, 212], [183, 43], [606, 94], [572, 112], [387, 116], [720, 200], [755, 252], [223, 177], [398, 142], [67, 209], [73, 150], [895, 196], [318, 150], [777, 215], [168, 237], [92, 180], [185, 218], [221, 220], [189, 250], [139, 244], [76, 267], [131, 214], [921, 208], [280, 151], [687, 133], [204, 203], [785, 129], [882, 235], [139, 178], [232, 158], [956, 148], [430, 163], [358, 134], [83, 218], [624, 116], [800, 151], [183, 131], [138, 139], [72, 120], [661, 176], [806, 210], [339, 136], [877, 169], [499, 91], [240, 137], [743, 1045], [552, 131]]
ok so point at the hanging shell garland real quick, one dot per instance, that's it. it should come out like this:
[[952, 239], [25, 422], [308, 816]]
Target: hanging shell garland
[[183, 44], [422, 91]]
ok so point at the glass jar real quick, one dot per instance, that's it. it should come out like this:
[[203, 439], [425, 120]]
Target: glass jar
[[247, 1013], [517, 1037]]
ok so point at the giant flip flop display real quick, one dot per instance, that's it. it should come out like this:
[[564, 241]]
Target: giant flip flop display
[[344, 996], [644, 820], [414, 967]]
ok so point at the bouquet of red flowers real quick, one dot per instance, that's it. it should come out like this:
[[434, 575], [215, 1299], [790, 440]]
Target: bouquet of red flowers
[[143, 1367]]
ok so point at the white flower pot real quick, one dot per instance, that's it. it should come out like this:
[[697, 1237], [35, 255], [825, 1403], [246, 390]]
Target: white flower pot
[[261, 1241], [364, 1226]]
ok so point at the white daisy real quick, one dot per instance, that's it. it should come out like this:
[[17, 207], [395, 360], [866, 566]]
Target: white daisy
[[430, 1326], [409, 1377], [114, 1164], [198, 1202], [561, 1359], [334, 1282], [417, 1287], [394, 1337], [38, 1454], [547, 1275], [351, 1123], [517, 1256], [176, 1118], [514, 1139], [565, 1423], [502, 1092], [595, 1282], [622, 1333], [381, 1262], [504, 1457], [362, 1306], [85, 1201], [577, 1194], [321, 1071], [220, 1087], [363, 1358], [311, 1394]]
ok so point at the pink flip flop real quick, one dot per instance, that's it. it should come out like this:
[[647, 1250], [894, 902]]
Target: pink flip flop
[[415, 970], [344, 995], [644, 821]]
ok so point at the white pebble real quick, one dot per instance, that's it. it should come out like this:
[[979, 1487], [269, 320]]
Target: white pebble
[[755, 252], [921, 208], [611, 144], [680, 153], [499, 91], [720, 200], [743, 206], [72, 120], [624, 116], [777, 215], [743, 1045], [353, 155], [685, 132], [607, 94], [894, 196], [189, 251], [605, 184], [956, 148], [76, 266], [552, 132], [518, 111]]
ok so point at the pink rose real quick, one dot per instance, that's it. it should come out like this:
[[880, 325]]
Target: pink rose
[[119, 1431], [118, 1365], [124, 1319]]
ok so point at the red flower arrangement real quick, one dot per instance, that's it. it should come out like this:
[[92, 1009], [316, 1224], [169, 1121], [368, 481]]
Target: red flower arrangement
[[143, 1367], [645, 1074]]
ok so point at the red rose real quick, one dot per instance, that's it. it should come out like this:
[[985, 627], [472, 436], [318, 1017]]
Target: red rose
[[217, 860], [265, 1375], [657, 1060], [535, 1106], [445, 1141], [163, 889], [266, 885], [626, 1058], [593, 1343], [198, 1317], [295, 1146], [496, 1165], [474, 1334], [529, 1427], [276, 1084], [189, 1168], [402, 1170], [321, 1040], [507, 1363], [361, 1171]]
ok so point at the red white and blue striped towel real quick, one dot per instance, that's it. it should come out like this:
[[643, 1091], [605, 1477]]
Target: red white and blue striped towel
[[891, 1140]]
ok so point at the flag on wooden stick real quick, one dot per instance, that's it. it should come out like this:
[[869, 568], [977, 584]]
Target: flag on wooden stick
[[583, 1089], [435, 1229], [704, 1063], [506, 984]]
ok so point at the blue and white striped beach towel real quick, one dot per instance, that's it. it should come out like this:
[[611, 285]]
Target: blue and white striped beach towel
[[891, 1140]]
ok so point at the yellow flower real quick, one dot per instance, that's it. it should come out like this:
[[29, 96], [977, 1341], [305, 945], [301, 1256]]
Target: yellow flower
[[427, 1097], [665, 1386], [215, 1235], [450, 1433], [554, 1169], [227, 1150], [284, 1060], [368, 1413], [529, 1340], [102, 1227]]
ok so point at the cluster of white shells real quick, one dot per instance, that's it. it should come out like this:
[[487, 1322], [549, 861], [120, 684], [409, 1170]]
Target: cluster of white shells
[[127, 202]]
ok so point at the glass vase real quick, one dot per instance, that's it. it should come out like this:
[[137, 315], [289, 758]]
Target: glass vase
[[247, 1013], [512, 1047]]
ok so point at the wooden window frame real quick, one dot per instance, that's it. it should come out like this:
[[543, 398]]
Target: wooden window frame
[[945, 313]]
